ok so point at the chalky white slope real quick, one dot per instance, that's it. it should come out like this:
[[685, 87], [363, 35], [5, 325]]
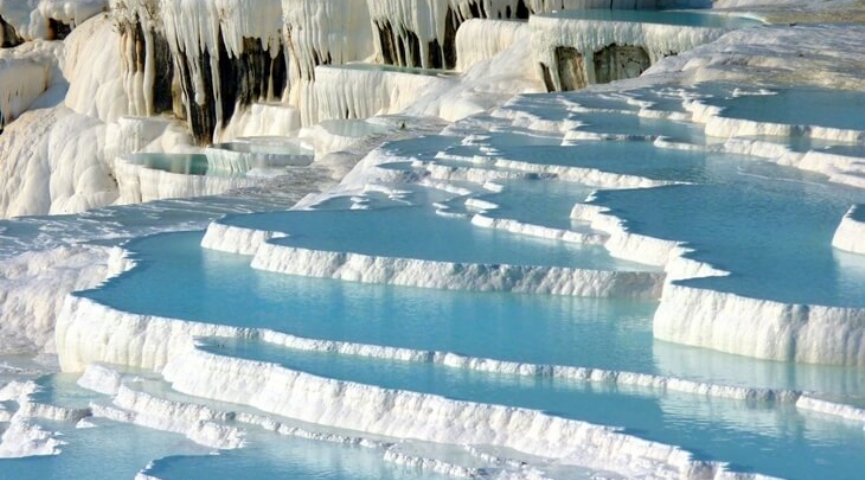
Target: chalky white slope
[[31, 19]]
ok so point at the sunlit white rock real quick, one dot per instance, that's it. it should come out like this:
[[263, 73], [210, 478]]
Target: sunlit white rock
[[850, 234], [447, 275], [25, 439]]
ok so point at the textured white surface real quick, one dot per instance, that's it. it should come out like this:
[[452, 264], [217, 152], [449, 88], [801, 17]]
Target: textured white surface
[[30, 18], [761, 328], [346, 92], [24, 439], [30, 292], [479, 40], [424, 417], [22, 81], [140, 184], [457, 276], [200, 424], [94, 71], [850, 235], [588, 37]]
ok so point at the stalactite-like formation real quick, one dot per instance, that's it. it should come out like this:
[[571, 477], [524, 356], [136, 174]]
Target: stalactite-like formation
[[233, 57], [205, 59], [406, 39]]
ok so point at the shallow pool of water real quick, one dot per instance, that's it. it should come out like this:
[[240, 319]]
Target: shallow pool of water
[[418, 232], [776, 441], [774, 235], [177, 279], [794, 105], [186, 164], [666, 17]]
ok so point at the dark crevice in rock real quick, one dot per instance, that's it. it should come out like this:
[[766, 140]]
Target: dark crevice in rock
[[449, 48], [319, 59], [231, 79], [618, 62], [58, 30], [163, 94], [387, 42], [8, 36], [251, 76], [201, 116], [279, 73], [163, 91], [412, 49], [571, 69], [401, 46], [522, 10], [434, 54]]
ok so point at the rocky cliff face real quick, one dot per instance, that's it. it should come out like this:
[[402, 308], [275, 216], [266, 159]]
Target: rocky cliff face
[[616, 62]]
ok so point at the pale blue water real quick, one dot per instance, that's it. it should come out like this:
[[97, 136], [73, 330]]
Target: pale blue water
[[268, 153], [634, 158], [418, 232], [771, 226], [111, 451], [775, 235], [187, 164], [545, 203], [539, 105], [178, 279], [682, 18], [620, 124], [752, 438], [114, 451], [794, 105], [609, 101], [274, 456]]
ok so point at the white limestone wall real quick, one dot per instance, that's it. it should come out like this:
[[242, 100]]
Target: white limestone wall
[[30, 18], [92, 66], [451, 276], [478, 40], [850, 235], [761, 328], [425, 20], [138, 184], [587, 37], [21, 82], [29, 286], [322, 32], [345, 92], [262, 120], [425, 417]]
